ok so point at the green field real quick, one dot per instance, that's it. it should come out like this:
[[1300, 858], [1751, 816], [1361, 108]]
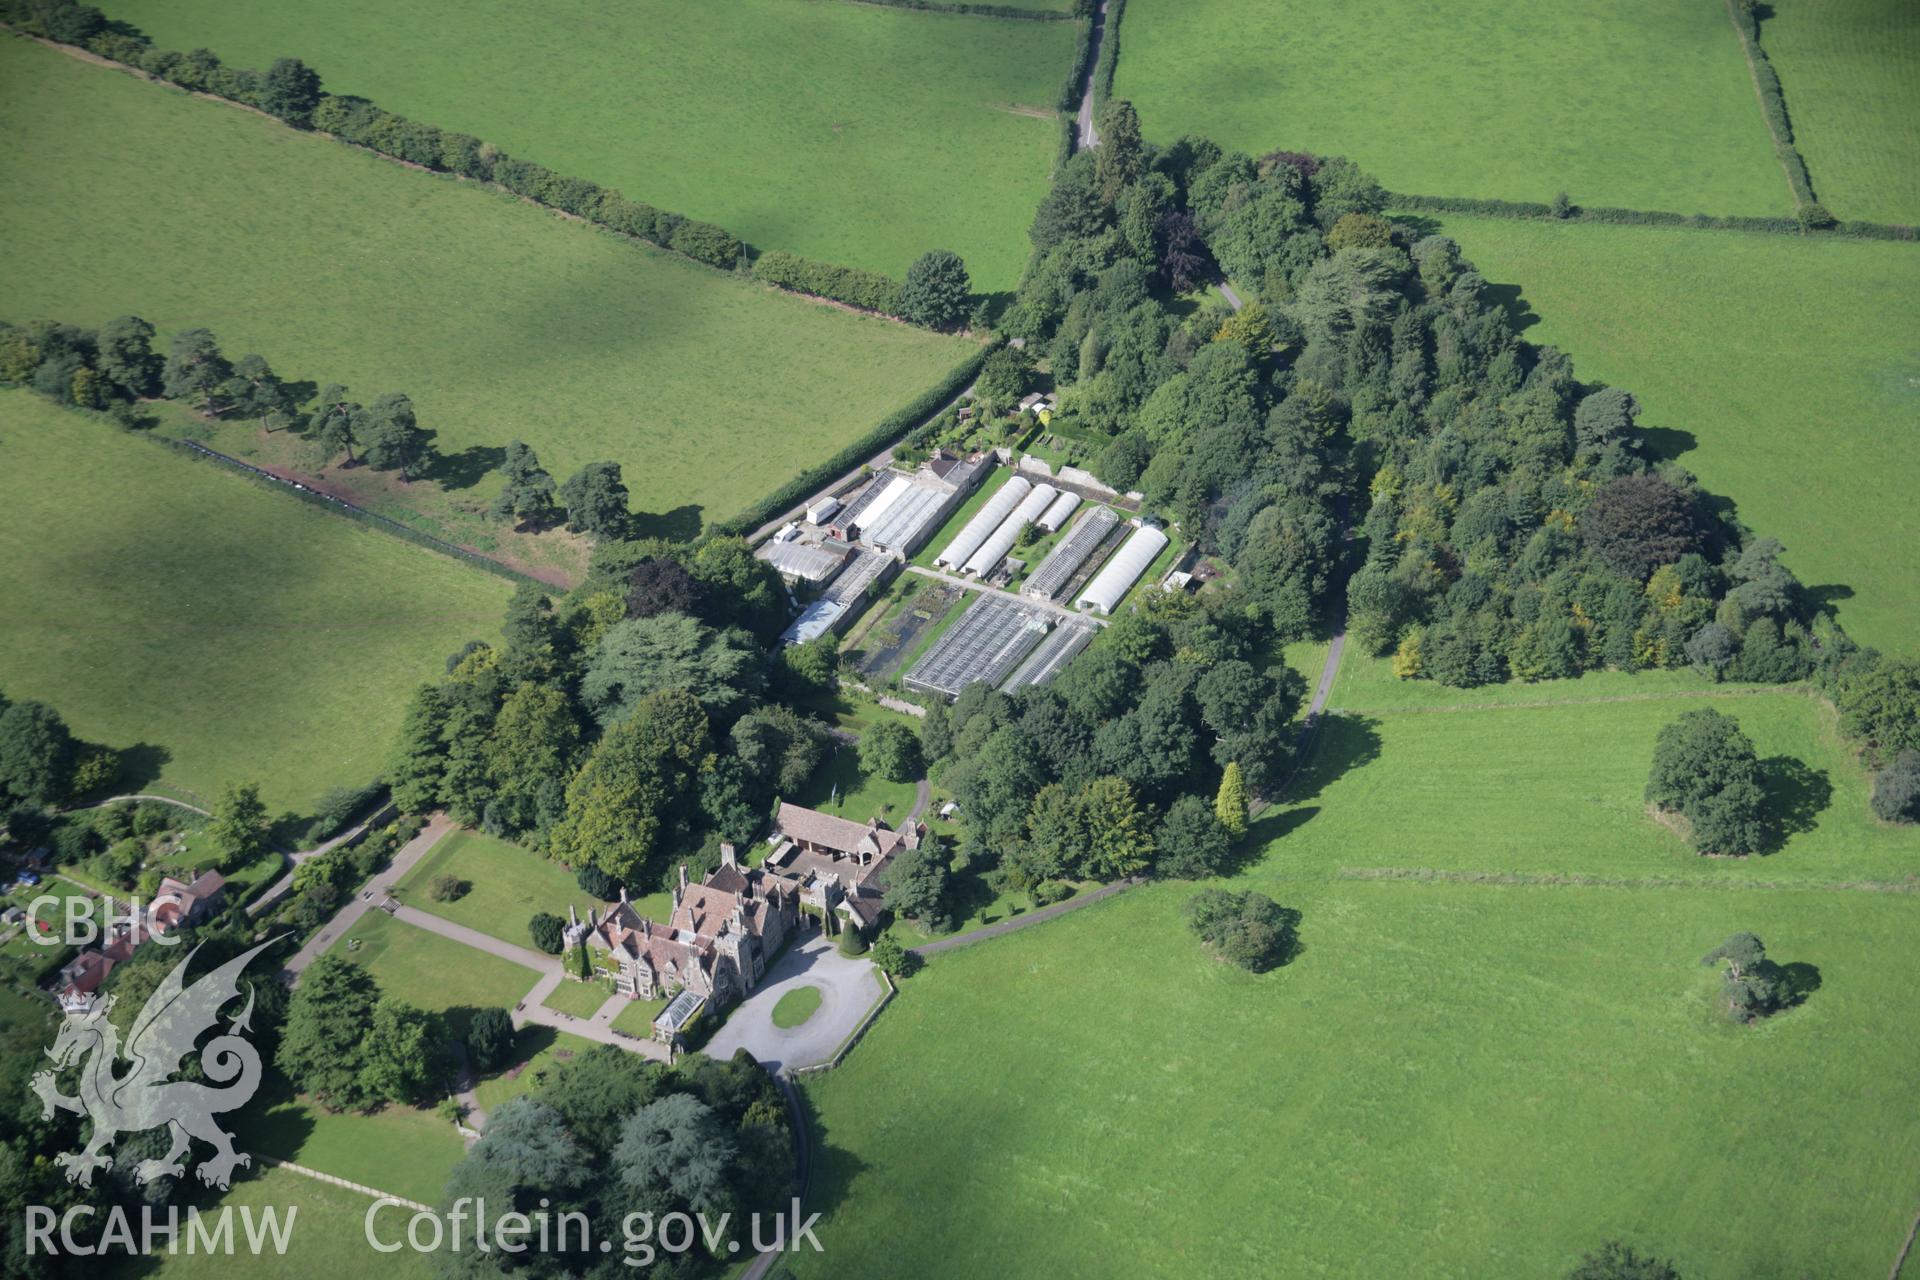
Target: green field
[[850, 133], [328, 1236], [1848, 71], [1556, 788], [1785, 373], [1644, 103], [1451, 1080], [399, 1149], [511, 885], [431, 972], [160, 601], [498, 318], [1355, 1112]]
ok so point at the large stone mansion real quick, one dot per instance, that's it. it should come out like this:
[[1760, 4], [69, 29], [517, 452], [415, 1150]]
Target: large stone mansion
[[723, 931]]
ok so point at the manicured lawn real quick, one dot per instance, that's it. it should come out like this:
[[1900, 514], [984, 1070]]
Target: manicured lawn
[[501, 320], [328, 1236], [398, 1149], [841, 787], [850, 133], [539, 1051], [581, 999], [1644, 104], [1773, 367], [511, 885], [231, 633], [432, 972], [796, 1006], [1847, 67], [636, 1019], [1449, 1080]]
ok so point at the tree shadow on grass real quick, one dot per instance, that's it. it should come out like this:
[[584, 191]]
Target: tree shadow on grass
[[1796, 797], [1418, 226], [274, 1121], [1798, 980], [1263, 832], [464, 469], [458, 1018], [141, 766], [832, 1173], [1667, 442], [969, 895], [1342, 742], [1520, 312], [682, 524]]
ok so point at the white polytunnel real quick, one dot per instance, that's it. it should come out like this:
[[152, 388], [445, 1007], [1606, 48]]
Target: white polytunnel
[[991, 552], [984, 522], [1057, 512], [1108, 587]]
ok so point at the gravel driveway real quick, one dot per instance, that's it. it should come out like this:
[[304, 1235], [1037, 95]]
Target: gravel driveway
[[848, 988]]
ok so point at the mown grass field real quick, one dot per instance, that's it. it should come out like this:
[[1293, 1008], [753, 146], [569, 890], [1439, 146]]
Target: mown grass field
[[510, 885], [1643, 104], [400, 1149], [501, 320], [853, 134], [1848, 69], [328, 1236], [1784, 373], [1099, 1088], [158, 601], [1081, 1108], [1450, 1080], [431, 972], [1556, 788]]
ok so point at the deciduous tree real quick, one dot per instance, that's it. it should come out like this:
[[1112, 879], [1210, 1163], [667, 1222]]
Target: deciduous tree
[[239, 826], [1704, 769], [596, 500], [937, 290]]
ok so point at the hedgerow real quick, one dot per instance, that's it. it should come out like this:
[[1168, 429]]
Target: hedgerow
[[1544, 212], [1109, 54], [363, 123], [868, 290]]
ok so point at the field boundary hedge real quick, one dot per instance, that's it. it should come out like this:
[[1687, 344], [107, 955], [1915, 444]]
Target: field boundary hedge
[[339, 506], [887, 431], [358, 122], [1539, 212], [975, 10], [1068, 99], [1109, 59], [1773, 107]]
